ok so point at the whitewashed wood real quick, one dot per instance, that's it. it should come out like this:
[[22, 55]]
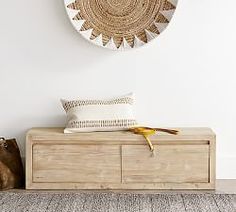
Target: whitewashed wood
[[212, 161], [122, 186], [110, 156], [185, 134], [73, 163], [171, 163], [222, 186], [28, 161]]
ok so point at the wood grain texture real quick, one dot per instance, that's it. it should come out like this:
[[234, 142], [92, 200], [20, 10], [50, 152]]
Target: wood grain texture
[[171, 163], [73, 163], [57, 134], [122, 186], [119, 160], [223, 186]]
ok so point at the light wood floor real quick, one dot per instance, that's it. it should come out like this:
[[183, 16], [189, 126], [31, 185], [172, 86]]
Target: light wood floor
[[226, 186], [222, 187]]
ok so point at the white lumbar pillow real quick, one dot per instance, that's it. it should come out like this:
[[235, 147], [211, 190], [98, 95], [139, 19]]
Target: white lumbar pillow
[[99, 115]]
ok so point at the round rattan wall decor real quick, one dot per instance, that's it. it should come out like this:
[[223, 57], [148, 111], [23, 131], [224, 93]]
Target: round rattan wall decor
[[120, 24]]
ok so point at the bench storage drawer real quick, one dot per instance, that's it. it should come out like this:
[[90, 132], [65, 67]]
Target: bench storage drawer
[[171, 163], [119, 160], [76, 163]]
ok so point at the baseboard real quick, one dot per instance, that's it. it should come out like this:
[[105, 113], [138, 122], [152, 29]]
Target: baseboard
[[226, 167]]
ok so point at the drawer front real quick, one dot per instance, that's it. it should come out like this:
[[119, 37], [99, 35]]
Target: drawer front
[[171, 163], [76, 163]]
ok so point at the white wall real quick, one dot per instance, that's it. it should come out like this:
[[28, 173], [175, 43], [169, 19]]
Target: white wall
[[186, 77]]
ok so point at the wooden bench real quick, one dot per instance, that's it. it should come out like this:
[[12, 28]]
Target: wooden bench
[[119, 160]]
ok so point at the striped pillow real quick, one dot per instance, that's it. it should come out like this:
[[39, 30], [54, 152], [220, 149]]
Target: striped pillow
[[99, 115]]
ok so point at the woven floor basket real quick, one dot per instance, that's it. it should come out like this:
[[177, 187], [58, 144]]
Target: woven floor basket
[[120, 24]]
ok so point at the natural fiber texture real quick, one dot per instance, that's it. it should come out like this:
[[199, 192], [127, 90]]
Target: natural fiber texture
[[115, 202], [119, 24]]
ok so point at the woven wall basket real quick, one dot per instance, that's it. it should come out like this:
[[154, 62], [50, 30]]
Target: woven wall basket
[[120, 24]]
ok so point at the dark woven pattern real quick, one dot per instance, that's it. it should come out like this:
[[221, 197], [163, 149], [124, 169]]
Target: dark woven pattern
[[111, 202]]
